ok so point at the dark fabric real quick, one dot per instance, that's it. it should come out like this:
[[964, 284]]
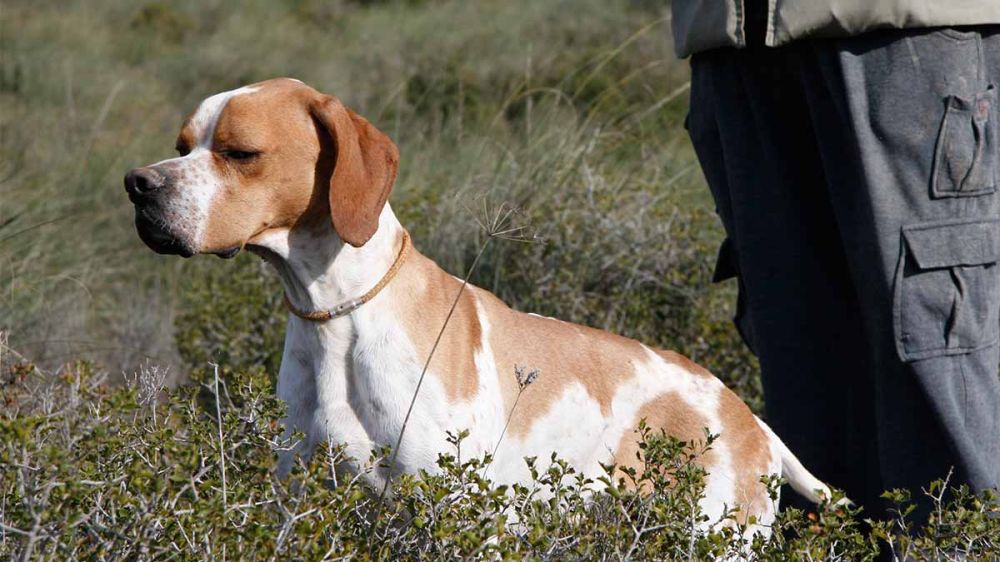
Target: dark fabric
[[755, 14], [856, 179]]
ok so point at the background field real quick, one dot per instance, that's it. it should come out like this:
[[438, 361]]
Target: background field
[[568, 111], [571, 111]]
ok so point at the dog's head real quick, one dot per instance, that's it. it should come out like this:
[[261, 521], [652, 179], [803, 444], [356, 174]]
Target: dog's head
[[271, 155]]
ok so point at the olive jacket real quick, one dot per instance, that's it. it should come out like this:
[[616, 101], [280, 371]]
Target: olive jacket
[[700, 25]]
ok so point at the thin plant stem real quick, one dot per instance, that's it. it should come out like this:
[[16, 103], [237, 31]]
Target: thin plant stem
[[222, 449], [503, 432], [420, 380], [525, 378]]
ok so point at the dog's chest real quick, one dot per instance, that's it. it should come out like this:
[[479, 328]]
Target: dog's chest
[[355, 387]]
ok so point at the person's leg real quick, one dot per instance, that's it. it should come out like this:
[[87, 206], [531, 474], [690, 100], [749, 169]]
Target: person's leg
[[750, 126], [909, 133]]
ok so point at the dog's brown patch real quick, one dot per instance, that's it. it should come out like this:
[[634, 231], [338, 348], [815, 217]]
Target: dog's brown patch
[[424, 294], [676, 417], [746, 442], [750, 448], [563, 353]]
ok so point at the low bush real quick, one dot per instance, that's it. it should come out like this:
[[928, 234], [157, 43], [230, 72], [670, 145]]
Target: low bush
[[231, 314], [93, 472]]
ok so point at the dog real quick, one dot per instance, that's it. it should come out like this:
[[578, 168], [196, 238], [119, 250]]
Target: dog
[[293, 175]]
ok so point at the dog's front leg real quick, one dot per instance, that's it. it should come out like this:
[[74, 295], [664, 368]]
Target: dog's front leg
[[313, 385]]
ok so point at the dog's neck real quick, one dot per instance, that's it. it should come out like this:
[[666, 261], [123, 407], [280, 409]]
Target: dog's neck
[[319, 271]]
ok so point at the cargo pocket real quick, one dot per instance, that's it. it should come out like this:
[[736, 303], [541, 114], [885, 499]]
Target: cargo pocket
[[947, 289], [965, 157]]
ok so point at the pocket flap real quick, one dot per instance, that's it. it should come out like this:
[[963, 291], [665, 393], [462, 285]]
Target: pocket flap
[[936, 245]]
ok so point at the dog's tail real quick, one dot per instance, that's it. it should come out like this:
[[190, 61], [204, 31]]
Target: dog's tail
[[801, 480]]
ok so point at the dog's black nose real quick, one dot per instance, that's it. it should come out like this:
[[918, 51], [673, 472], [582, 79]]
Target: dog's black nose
[[143, 182]]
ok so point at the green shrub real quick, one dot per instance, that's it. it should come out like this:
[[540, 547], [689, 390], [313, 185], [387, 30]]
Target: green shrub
[[231, 314], [89, 472]]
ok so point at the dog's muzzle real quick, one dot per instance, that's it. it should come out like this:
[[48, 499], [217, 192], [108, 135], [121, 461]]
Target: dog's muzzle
[[146, 188]]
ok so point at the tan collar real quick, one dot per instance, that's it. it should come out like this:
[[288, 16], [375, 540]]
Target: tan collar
[[350, 306]]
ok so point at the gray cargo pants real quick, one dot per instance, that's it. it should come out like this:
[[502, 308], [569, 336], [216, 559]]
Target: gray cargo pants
[[857, 182]]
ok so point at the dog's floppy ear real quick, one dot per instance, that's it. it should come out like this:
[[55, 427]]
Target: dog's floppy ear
[[363, 173]]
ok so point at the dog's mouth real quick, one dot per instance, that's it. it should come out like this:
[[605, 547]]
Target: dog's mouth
[[228, 253], [155, 234]]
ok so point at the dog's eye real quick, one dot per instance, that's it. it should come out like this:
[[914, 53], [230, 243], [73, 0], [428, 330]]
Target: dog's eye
[[239, 154]]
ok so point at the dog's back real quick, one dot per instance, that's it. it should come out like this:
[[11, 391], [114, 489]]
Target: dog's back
[[589, 393]]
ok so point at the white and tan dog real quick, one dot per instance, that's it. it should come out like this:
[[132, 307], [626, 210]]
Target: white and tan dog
[[266, 167]]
